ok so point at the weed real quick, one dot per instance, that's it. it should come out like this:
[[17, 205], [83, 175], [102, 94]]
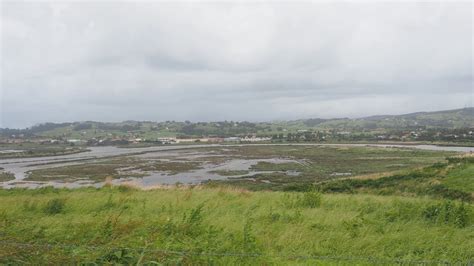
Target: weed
[[119, 257], [249, 242], [126, 188], [266, 224], [55, 206], [353, 226], [310, 199], [30, 206], [447, 212]]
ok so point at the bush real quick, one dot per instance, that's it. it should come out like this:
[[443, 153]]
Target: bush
[[448, 193], [55, 206]]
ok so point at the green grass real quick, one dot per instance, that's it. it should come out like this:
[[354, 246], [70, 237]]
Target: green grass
[[217, 225], [461, 178], [449, 119], [453, 180]]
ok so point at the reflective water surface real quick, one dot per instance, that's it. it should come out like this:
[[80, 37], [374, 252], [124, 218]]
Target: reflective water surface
[[207, 171]]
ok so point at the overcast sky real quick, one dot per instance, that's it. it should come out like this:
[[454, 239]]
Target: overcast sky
[[111, 61]]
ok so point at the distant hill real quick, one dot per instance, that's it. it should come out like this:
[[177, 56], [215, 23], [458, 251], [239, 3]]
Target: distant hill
[[458, 118], [450, 119]]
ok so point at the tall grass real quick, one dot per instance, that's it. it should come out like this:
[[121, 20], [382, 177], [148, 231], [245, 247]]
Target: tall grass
[[228, 226]]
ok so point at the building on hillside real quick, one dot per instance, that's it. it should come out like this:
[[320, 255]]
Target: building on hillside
[[255, 139], [232, 139]]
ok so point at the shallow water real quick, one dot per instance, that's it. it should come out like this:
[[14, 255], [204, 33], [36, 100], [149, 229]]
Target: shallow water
[[206, 173], [20, 166]]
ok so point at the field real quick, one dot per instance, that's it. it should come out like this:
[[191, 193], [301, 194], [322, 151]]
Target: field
[[451, 180], [199, 225], [397, 206]]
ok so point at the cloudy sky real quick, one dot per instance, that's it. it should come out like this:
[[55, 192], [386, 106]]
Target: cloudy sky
[[114, 61]]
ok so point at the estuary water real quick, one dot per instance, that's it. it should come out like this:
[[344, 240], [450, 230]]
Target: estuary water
[[21, 166]]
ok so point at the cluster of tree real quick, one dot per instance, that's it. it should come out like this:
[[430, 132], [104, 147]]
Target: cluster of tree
[[458, 134], [222, 129], [9, 132], [30, 132], [300, 136]]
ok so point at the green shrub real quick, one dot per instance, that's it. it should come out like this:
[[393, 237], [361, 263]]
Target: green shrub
[[452, 160], [439, 165], [448, 193], [55, 206]]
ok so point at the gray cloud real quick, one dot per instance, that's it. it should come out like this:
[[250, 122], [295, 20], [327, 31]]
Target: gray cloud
[[64, 61]]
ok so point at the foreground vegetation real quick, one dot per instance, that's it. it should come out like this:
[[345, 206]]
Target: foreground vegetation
[[199, 225], [451, 180]]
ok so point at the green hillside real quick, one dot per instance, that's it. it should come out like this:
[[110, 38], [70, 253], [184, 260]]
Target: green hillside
[[445, 120]]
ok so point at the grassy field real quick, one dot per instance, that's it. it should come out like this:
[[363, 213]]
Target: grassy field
[[200, 225], [451, 180], [461, 178]]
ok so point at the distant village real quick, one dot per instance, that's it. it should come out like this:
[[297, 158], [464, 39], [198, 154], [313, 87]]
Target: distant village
[[447, 135], [122, 140]]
